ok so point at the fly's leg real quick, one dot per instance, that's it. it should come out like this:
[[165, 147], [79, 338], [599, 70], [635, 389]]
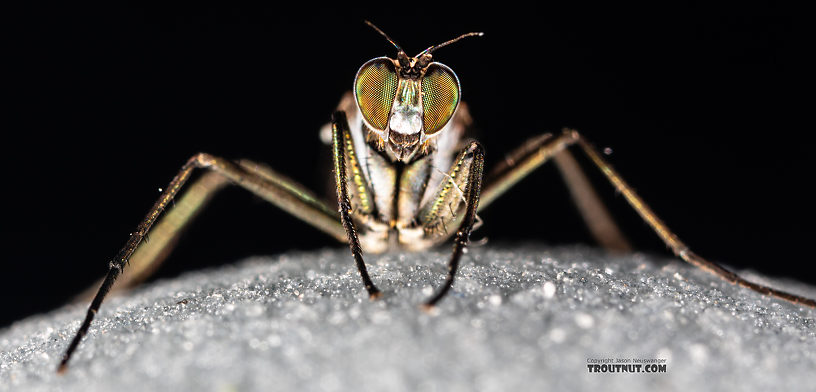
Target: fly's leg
[[463, 184], [280, 191], [342, 151], [295, 199], [534, 153], [163, 235], [460, 241], [547, 147], [592, 209], [669, 238]]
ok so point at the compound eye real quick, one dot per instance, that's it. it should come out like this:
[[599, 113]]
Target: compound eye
[[440, 96], [375, 88]]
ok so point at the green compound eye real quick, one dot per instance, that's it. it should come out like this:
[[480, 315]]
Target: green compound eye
[[375, 88], [440, 96]]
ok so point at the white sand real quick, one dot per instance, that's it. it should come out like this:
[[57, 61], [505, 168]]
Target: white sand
[[518, 318]]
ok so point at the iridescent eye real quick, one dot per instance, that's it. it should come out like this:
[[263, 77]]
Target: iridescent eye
[[375, 88], [440, 96]]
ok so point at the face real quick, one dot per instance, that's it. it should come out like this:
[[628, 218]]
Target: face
[[407, 101]]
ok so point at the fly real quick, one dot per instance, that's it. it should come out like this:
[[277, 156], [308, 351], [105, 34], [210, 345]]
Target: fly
[[403, 120]]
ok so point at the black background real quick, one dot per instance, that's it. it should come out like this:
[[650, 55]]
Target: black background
[[702, 106]]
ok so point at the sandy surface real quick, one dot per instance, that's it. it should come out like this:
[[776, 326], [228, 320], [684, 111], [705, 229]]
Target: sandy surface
[[518, 318]]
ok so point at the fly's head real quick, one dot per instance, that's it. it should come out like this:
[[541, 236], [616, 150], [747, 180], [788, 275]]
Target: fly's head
[[407, 101]]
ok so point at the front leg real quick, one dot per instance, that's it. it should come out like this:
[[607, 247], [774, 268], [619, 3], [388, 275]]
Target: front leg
[[463, 184], [341, 137]]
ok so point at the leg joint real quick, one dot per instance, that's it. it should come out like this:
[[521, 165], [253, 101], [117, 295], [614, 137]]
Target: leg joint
[[572, 134], [201, 159], [474, 147]]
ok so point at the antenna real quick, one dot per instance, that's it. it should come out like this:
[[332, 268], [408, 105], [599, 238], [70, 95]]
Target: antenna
[[384, 35], [446, 43]]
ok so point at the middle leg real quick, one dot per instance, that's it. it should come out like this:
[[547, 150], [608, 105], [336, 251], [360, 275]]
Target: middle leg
[[534, 153], [507, 175]]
